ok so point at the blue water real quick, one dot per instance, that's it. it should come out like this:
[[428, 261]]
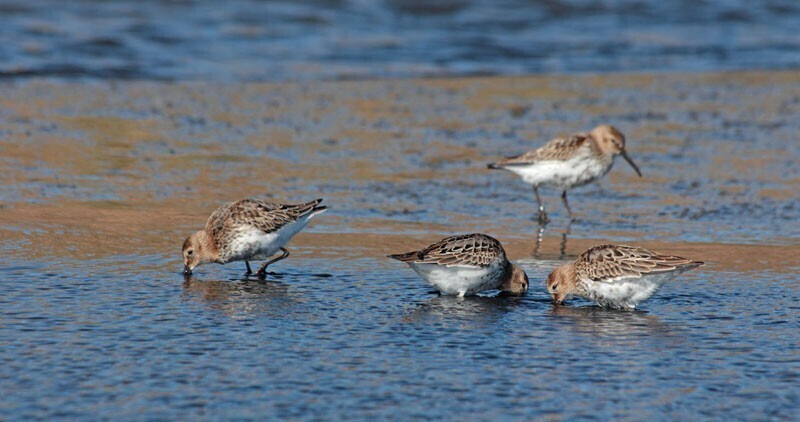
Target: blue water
[[374, 344], [340, 39]]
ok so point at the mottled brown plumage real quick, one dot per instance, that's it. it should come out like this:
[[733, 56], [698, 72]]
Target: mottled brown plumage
[[225, 222], [467, 264], [566, 163], [605, 262], [247, 229], [557, 149], [616, 276], [477, 250]]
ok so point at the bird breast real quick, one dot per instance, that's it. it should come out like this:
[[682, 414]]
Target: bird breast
[[584, 167], [460, 279], [250, 243], [623, 292]]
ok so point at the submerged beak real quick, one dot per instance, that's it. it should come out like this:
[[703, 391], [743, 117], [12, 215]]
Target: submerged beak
[[628, 159], [187, 270], [556, 300]]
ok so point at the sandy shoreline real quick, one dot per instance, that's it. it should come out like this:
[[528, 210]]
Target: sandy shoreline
[[96, 162]]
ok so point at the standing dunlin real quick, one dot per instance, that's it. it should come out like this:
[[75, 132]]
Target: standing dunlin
[[465, 265], [246, 230], [616, 276], [565, 163]]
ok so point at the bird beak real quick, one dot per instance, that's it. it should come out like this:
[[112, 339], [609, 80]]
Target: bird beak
[[187, 270], [556, 300], [628, 159]]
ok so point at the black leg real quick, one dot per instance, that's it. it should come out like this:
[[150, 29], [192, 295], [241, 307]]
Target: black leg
[[249, 271], [566, 204], [262, 272], [563, 249], [542, 215]]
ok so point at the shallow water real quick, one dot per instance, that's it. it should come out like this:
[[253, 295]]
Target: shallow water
[[343, 39], [102, 182]]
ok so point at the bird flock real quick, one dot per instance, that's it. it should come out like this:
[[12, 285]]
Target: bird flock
[[613, 276]]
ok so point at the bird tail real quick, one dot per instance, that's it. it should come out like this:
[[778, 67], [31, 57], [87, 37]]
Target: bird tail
[[313, 208], [692, 265], [405, 257], [683, 267]]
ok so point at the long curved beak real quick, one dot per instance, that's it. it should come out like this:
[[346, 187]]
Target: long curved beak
[[187, 270], [628, 159]]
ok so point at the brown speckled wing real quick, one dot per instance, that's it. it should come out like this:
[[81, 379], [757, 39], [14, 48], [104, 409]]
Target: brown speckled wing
[[557, 149], [265, 216], [606, 262], [474, 250]]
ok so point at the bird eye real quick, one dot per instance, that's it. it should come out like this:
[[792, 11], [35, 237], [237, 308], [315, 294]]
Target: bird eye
[[189, 253]]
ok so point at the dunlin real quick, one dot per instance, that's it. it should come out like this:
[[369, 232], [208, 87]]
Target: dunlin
[[465, 265], [565, 163], [616, 276], [247, 230]]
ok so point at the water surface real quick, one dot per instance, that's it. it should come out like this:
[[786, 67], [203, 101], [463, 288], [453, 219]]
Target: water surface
[[356, 39]]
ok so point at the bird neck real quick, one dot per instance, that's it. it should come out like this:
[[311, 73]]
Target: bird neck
[[601, 149], [513, 279], [209, 252]]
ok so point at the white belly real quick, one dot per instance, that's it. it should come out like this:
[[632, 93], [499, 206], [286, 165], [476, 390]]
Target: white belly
[[253, 244], [460, 281], [577, 171], [624, 292]]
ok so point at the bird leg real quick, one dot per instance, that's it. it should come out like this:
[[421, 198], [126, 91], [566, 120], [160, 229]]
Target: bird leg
[[566, 205], [563, 248], [249, 271], [542, 215], [262, 272]]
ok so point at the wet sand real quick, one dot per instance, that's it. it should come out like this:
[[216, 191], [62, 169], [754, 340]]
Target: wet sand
[[95, 170]]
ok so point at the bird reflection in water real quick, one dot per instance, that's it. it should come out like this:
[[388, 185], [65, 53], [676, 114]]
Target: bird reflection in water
[[540, 236], [473, 310], [243, 298], [604, 322]]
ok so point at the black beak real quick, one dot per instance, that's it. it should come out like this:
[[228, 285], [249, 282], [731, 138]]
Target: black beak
[[628, 159], [187, 270]]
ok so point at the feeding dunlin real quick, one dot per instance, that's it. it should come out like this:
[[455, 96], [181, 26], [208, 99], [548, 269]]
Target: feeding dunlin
[[565, 163], [465, 265], [616, 276], [247, 230]]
